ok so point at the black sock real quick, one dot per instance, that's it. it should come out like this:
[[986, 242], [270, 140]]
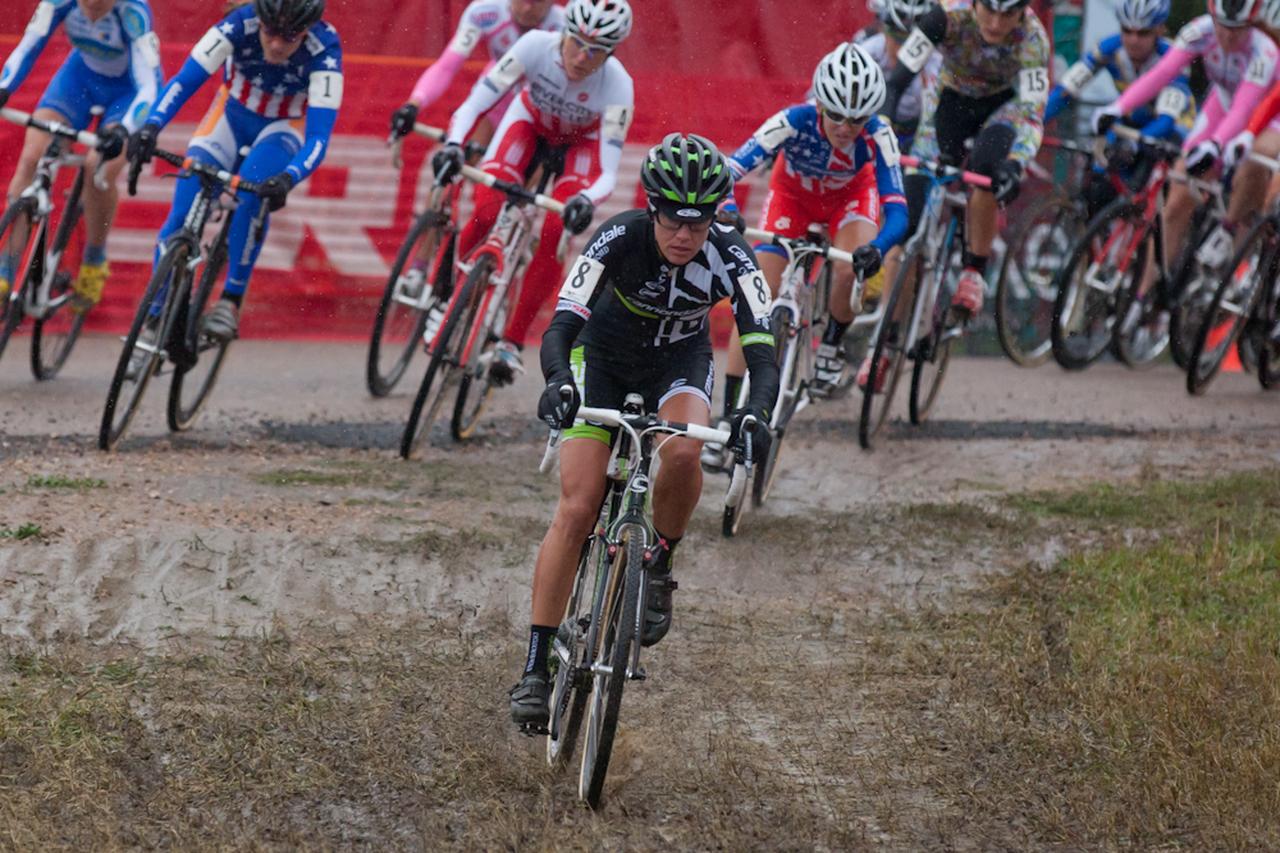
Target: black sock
[[234, 298], [834, 332], [975, 262], [540, 637], [732, 385], [668, 544]]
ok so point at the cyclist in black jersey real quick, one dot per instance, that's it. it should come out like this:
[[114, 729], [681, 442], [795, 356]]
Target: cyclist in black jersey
[[632, 318]]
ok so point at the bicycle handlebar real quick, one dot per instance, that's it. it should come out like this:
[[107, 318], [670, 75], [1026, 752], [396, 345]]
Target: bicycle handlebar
[[1164, 146], [231, 182], [829, 252], [1066, 144], [512, 190], [18, 117], [436, 134], [971, 178]]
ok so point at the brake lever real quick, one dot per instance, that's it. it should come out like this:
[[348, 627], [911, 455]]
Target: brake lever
[[396, 143]]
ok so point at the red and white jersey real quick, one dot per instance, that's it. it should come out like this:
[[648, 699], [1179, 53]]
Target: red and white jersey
[[562, 110], [489, 22]]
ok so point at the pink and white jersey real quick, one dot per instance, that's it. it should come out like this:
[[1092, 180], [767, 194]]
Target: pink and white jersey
[[485, 22], [600, 106], [1238, 78]]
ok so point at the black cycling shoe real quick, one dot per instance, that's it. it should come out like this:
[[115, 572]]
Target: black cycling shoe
[[657, 604], [530, 708]]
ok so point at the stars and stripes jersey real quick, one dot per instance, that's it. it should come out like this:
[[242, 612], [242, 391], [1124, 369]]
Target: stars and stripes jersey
[[122, 43], [308, 84]]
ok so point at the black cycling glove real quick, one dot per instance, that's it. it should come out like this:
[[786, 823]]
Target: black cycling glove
[[558, 410], [577, 213], [402, 120]]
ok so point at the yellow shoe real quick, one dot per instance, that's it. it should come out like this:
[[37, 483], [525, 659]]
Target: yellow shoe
[[873, 287], [88, 286], [5, 287]]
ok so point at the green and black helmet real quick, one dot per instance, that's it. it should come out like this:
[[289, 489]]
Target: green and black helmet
[[686, 177]]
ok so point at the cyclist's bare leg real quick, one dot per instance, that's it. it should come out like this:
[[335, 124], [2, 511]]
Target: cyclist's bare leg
[[100, 205], [981, 222], [852, 236], [678, 485], [583, 462], [1249, 188]]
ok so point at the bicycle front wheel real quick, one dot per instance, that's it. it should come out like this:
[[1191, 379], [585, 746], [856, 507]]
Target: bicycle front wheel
[[570, 660], [1025, 292], [928, 369], [197, 371], [129, 382], [887, 356], [1231, 308], [54, 335], [19, 256], [402, 313], [475, 386], [1101, 265], [446, 356], [619, 617], [790, 342]]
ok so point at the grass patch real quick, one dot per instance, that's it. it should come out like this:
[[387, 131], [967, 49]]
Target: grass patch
[[23, 532], [58, 481], [305, 477], [1130, 696]]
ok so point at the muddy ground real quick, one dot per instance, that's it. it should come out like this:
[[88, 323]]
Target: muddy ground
[[782, 712]]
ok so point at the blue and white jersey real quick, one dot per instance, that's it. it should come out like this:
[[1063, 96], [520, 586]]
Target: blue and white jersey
[[308, 84], [120, 44], [1174, 102]]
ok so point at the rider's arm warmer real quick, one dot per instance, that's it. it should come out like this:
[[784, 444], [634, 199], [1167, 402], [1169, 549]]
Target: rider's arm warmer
[[24, 56], [1146, 87], [324, 98], [206, 57], [929, 32], [435, 81], [751, 303], [1243, 103], [490, 88], [1059, 100], [582, 287], [615, 121], [893, 199], [144, 68]]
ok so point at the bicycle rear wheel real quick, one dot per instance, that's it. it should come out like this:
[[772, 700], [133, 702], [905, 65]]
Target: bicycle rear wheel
[[1141, 328], [446, 356], [1232, 306], [1269, 340], [55, 334], [197, 371], [1025, 292], [875, 406], [1090, 284], [398, 325], [126, 390], [21, 259], [789, 342], [619, 617]]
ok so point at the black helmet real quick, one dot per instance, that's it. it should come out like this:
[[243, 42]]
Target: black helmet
[[289, 18], [685, 177]]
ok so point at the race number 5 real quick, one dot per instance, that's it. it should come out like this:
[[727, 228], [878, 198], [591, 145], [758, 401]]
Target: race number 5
[[915, 51], [1033, 84], [466, 40]]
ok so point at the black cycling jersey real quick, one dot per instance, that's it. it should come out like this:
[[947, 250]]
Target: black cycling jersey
[[623, 300]]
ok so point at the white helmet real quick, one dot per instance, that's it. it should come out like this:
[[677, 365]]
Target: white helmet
[[1142, 14], [1269, 17], [901, 15], [849, 82], [1234, 13], [605, 22]]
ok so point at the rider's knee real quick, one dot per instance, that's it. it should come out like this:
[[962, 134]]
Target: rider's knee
[[990, 147], [577, 512], [682, 455]]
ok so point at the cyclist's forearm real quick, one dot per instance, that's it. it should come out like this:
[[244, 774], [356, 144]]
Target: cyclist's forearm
[[1059, 100], [762, 366], [1146, 87], [487, 91], [146, 72], [435, 81], [1028, 132], [557, 343], [184, 84], [315, 144], [1243, 103], [894, 228]]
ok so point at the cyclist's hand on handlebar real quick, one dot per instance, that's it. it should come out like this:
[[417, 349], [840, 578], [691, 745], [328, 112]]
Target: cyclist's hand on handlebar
[[577, 213], [142, 145], [447, 162], [275, 190], [1104, 118], [750, 424], [1119, 153], [867, 260], [559, 402], [1237, 149], [4, 96], [728, 214], [402, 120], [1202, 158], [1007, 181], [111, 142]]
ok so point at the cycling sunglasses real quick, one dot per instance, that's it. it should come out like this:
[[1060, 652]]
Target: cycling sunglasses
[[592, 50], [1129, 31], [280, 34], [837, 118]]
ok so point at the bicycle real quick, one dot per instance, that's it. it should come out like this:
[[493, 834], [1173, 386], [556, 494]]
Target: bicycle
[[927, 259], [1108, 261], [1238, 308], [409, 293], [597, 646], [41, 281], [166, 326], [799, 313], [477, 311], [1037, 248]]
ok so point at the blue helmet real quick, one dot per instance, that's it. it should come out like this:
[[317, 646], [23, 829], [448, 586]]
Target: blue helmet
[[1142, 14]]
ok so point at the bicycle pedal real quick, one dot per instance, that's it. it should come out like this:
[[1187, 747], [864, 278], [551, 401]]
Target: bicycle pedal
[[639, 674], [534, 729]]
